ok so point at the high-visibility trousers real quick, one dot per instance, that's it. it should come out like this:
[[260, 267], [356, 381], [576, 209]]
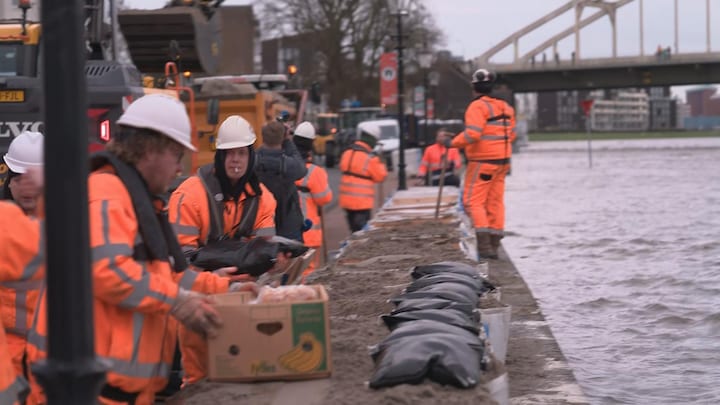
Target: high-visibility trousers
[[484, 194], [194, 351]]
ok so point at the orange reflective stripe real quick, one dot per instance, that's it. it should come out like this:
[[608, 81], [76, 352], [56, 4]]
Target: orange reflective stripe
[[137, 370], [140, 288]]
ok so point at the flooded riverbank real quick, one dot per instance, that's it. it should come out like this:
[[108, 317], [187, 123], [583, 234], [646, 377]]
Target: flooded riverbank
[[624, 259]]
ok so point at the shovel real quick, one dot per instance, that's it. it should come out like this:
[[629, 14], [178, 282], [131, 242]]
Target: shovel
[[441, 182], [323, 248]]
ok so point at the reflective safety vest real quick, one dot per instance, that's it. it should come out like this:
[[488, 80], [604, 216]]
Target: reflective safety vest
[[315, 192], [21, 267], [361, 169], [431, 163], [19, 295], [196, 221], [489, 131], [133, 286], [12, 386]]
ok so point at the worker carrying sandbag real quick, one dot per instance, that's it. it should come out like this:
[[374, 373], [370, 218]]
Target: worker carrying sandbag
[[225, 203]]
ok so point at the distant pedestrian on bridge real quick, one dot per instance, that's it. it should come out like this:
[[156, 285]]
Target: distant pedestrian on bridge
[[487, 138]]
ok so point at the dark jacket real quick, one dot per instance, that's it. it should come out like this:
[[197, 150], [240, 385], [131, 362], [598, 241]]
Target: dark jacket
[[278, 170]]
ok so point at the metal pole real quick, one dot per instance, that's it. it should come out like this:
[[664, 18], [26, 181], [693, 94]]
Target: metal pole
[[425, 100], [707, 23], [677, 40], [642, 37], [589, 137], [71, 374], [402, 184]]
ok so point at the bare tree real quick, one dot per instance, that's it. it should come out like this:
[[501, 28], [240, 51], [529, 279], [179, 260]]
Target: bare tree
[[350, 35]]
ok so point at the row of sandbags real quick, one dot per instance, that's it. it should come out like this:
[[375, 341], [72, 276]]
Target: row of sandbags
[[434, 329]]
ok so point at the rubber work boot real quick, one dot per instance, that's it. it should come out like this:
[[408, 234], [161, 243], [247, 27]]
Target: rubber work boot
[[495, 242], [484, 249]]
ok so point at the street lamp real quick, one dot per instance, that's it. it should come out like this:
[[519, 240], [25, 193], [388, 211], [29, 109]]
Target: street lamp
[[398, 8], [425, 59]]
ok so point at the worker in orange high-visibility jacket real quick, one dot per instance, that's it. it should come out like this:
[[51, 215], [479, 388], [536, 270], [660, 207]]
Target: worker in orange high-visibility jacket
[[19, 297], [314, 192], [135, 255], [13, 387], [21, 262], [233, 187], [487, 141], [361, 170], [432, 161]]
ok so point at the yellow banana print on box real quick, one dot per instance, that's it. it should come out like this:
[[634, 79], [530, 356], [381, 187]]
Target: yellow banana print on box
[[306, 356]]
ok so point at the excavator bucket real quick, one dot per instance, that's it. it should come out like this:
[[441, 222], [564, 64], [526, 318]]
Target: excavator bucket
[[181, 34]]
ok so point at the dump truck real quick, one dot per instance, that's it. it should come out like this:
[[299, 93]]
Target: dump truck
[[255, 98], [111, 85]]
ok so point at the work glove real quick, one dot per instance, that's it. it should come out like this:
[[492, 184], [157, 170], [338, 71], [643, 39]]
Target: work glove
[[195, 311], [247, 286]]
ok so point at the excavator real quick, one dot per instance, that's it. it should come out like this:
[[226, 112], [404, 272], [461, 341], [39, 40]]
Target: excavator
[[111, 85], [168, 48]]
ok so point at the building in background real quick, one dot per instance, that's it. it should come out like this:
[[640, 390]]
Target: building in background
[[682, 112], [613, 110], [561, 110], [704, 105], [626, 110]]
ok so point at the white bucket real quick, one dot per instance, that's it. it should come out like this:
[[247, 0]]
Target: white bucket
[[499, 389], [496, 323]]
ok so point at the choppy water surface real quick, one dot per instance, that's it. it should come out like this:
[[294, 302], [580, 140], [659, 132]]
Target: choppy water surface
[[624, 259]]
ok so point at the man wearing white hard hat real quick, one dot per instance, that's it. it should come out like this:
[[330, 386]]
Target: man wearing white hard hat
[[314, 191], [361, 170], [22, 269], [225, 200], [25, 152], [135, 254]]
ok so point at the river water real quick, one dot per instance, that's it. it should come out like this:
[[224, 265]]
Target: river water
[[624, 259]]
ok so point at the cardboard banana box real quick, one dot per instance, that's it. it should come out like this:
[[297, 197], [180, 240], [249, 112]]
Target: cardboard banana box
[[275, 341]]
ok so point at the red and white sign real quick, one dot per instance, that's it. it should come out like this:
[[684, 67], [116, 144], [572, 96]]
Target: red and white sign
[[430, 108], [388, 78]]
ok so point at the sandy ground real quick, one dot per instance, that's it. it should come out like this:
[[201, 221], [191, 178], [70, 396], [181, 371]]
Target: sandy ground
[[374, 267]]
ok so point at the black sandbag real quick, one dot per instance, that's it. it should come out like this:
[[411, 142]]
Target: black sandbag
[[254, 257], [458, 294], [474, 283], [470, 294], [432, 303], [448, 316], [291, 246], [426, 327], [444, 267], [444, 358]]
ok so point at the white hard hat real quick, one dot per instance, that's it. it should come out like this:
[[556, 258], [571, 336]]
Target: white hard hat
[[235, 132], [25, 151], [305, 130], [370, 128], [160, 113], [483, 76]]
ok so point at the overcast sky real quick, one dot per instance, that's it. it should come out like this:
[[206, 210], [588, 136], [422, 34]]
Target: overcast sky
[[473, 26]]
